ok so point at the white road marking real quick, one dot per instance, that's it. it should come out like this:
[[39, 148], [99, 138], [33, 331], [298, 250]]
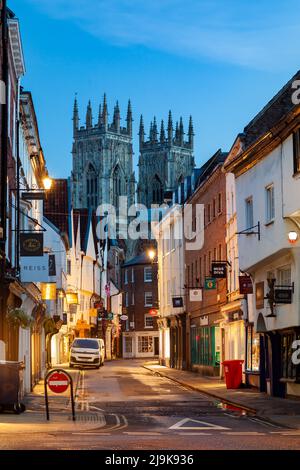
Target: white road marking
[[142, 433], [205, 426], [286, 433], [193, 434], [244, 433], [93, 433]]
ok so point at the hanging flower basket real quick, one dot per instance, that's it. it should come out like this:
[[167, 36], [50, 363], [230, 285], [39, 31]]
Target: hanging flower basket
[[18, 317]]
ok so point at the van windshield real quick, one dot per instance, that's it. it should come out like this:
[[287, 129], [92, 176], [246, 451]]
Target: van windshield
[[85, 343]]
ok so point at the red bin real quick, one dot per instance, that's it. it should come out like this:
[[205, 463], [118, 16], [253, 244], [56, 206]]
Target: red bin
[[233, 373]]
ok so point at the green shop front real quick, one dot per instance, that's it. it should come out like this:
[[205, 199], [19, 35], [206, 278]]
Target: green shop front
[[206, 344]]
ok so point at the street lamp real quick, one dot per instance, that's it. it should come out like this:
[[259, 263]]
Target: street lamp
[[151, 254], [47, 182], [293, 237]]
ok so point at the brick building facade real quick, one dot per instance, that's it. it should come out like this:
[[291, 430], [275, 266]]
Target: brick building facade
[[205, 316], [140, 305]]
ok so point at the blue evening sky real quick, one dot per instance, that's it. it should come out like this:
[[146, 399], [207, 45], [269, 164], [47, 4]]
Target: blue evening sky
[[218, 60]]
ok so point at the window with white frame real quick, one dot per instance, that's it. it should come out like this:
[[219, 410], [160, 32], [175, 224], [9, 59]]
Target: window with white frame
[[149, 323], [126, 276], [270, 203], [132, 275], [284, 276], [148, 299], [132, 298], [145, 344], [249, 212], [126, 299], [148, 274]]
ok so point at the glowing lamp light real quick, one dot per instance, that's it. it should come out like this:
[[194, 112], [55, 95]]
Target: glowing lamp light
[[47, 182], [151, 254], [293, 237]]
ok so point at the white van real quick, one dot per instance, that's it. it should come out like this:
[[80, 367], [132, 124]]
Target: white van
[[87, 352]]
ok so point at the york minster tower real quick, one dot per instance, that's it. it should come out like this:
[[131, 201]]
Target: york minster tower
[[166, 158], [102, 158]]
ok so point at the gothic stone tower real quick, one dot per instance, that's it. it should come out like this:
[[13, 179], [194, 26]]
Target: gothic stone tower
[[163, 161], [102, 159]]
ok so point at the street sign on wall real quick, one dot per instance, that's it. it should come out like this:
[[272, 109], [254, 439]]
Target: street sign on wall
[[210, 283], [34, 269], [283, 296], [195, 295], [219, 270]]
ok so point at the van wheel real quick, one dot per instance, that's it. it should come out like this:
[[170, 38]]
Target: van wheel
[[98, 367]]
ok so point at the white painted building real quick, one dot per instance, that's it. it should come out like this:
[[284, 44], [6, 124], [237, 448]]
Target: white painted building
[[266, 166], [171, 270]]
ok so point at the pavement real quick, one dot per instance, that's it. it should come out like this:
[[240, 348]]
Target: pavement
[[282, 411], [34, 419], [127, 406]]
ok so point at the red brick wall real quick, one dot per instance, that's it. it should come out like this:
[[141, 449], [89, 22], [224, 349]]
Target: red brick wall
[[137, 311], [214, 238]]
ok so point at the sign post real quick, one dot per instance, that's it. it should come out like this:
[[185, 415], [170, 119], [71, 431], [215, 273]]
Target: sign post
[[58, 381]]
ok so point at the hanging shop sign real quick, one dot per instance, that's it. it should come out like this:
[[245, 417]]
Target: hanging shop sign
[[283, 295], [48, 290], [204, 320], [196, 295], [153, 312], [52, 265], [31, 244], [34, 269], [72, 298], [210, 283], [177, 302], [219, 270], [246, 286], [123, 317]]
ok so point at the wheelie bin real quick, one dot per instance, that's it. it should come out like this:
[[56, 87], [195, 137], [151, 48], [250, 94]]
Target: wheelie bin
[[11, 386], [233, 373]]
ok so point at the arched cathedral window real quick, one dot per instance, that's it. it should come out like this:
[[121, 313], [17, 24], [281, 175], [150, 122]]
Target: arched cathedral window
[[117, 186], [91, 188], [157, 191]]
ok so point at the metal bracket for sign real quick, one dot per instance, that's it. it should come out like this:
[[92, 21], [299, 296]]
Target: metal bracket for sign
[[221, 261], [250, 231], [71, 392]]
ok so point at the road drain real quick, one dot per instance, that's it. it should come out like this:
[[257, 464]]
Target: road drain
[[94, 418]]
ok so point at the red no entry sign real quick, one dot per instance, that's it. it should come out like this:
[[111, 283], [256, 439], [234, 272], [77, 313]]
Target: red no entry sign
[[58, 382]]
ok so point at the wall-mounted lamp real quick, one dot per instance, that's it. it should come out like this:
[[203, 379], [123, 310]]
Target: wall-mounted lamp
[[293, 237]]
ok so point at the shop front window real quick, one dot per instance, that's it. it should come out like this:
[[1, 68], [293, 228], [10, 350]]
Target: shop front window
[[253, 347], [289, 370], [145, 344]]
